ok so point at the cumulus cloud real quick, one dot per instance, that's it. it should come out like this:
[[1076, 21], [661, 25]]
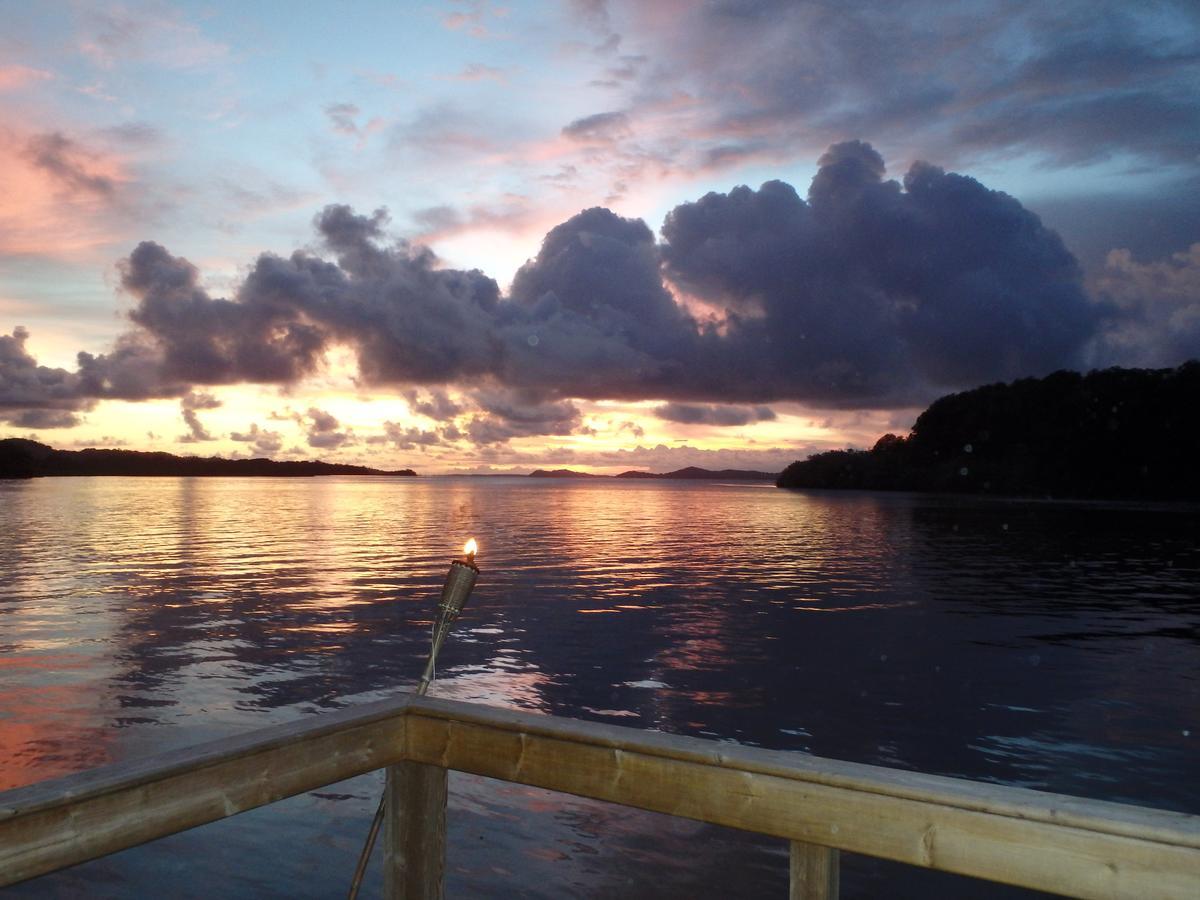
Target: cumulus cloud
[[875, 291], [693, 414], [323, 430], [869, 293], [26, 385], [507, 414]]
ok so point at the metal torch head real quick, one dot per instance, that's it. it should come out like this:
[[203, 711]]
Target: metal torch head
[[459, 582]]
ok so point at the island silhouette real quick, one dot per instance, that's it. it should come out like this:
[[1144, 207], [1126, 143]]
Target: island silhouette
[[690, 472], [21, 458], [1110, 434]]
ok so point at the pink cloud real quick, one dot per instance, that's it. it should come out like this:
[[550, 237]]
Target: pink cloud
[[117, 34], [59, 195], [13, 77]]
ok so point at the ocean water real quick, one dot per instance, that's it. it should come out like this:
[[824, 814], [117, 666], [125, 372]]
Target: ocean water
[[1054, 646]]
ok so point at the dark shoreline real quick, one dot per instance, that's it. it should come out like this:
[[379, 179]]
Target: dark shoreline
[[1112, 434], [23, 459]]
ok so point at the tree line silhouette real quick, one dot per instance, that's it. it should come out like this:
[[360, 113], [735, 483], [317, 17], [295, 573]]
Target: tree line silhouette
[[20, 458], [1113, 433]]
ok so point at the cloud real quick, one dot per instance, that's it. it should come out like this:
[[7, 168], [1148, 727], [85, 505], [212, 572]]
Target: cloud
[[24, 385], [1159, 303], [406, 437], [116, 35], [41, 418], [437, 405], [512, 213], [599, 128], [342, 115], [63, 196], [263, 442], [63, 159], [507, 414], [481, 72], [691, 414], [199, 400], [188, 404], [590, 317], [343, 118], [871, 293], [14, 76], [1078, 82], [323, 430], [472, 17], [876, 292], [134, 134], [204, 340]]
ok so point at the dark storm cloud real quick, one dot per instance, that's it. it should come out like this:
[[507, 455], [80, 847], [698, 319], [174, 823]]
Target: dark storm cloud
[[870, 293], [589, 316], [695, 414], [41, 418], [26, 385], [876, 291], [133, 370], [409, 320]]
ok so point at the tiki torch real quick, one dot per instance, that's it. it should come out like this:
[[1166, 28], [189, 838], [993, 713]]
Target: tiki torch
[[459, 582], [460, 579]]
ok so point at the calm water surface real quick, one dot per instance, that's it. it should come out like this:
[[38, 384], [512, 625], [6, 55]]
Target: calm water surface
[[1052, 646]]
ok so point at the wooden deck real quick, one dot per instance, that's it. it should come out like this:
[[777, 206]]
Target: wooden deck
[[1050, 842]]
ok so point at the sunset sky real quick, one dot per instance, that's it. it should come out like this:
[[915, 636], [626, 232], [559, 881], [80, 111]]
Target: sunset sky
[[470, 236]]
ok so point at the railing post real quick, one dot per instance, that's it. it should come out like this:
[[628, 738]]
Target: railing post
[[814, 872], [414, 832]]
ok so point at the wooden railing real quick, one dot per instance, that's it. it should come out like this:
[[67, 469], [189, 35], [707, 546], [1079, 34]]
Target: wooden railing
[[1050, 842]]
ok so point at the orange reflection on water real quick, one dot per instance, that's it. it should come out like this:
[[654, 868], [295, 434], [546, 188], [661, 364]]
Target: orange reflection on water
[[48, 729]]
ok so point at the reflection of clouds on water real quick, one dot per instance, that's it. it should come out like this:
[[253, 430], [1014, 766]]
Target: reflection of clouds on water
[[913, 631]]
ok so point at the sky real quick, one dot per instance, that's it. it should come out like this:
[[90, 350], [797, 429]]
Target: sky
[[491, 237]]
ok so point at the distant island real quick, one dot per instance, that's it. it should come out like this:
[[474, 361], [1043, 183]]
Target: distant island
[[561, 473], [691, 472], [1110, 434], [20, 458]]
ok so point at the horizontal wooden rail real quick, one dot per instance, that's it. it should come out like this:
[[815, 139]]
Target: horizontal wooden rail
[[59, 823], [1049, 842], [1045, 841]]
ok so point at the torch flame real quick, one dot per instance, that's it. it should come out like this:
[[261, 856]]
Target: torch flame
[[470, 547]]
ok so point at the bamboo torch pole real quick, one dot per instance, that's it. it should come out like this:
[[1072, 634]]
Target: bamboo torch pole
[[460, 580]]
